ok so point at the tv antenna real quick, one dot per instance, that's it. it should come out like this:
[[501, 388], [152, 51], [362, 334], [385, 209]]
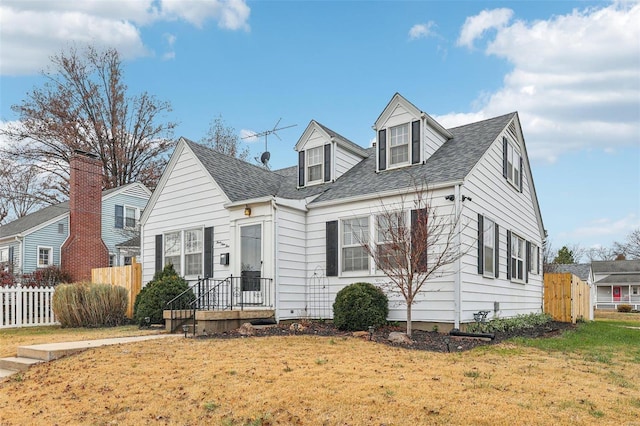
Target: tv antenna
[[264, 158]]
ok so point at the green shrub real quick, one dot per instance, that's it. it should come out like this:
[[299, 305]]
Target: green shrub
[[624, 308], [153, 297], [90, 305], [519, 322], [359, 306]]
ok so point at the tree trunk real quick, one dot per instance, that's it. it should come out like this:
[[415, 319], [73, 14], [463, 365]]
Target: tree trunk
[[409, 319]]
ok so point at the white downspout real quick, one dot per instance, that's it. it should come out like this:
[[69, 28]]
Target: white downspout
[[457, 290]]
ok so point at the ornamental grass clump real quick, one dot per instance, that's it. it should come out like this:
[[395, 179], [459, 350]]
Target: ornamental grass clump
[[359, 306], [90, 305]]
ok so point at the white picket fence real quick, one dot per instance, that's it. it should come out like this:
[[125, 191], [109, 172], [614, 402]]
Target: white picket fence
[[26, 306]]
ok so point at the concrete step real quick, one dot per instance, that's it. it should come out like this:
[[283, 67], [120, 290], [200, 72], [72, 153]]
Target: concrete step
[[17, 363], [6, 373]]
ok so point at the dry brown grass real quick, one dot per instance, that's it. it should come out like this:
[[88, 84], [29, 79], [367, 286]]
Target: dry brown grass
[[618, 316], [11, 338], [319, 380]]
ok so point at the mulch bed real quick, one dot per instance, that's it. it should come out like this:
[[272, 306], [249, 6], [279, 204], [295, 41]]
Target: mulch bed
[[422, 340]]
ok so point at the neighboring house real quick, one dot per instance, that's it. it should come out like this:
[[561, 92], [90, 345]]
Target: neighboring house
[[37, 239], [215, 216], [617, 283]]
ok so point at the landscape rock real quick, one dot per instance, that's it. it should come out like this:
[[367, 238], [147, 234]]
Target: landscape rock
[[296, 327], [247, 329], [398, 337]]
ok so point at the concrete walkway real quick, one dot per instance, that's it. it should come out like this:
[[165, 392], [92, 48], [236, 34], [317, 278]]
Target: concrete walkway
[[35, 354]]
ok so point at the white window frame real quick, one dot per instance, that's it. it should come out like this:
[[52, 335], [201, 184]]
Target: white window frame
[[514, 174], [180, 252], [314, 159], [193, 250], [352, 244], [400, 221], [534, 262], [518, 258], [399, 140], [4, 254], [136, 216], [49, 257], [489, 246]]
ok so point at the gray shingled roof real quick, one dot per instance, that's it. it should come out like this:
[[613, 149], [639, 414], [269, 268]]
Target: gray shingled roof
[[452, 162], [34, 219], [580, 270], [620, 279], [346, 142], [615, 266]]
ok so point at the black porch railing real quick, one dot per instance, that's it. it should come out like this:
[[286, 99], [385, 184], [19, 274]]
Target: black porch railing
[[235, 293]]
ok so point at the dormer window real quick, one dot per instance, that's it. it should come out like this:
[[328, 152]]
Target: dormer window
[[314, 165], [399, 145]]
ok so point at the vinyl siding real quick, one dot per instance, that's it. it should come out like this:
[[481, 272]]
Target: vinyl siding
[[47, 236], [188, 199], [496, 199], [435, 303], [131, 197], [344, 160], [292, 271], [432, 141]]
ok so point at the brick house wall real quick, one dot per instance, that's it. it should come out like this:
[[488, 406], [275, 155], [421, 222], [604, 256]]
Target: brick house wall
[[84, 249]]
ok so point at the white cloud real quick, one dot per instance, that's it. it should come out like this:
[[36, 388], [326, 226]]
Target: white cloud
[[574, 80], [475, 26], [248, 135], [421, 30], [605, 227], [170, 40], [32, 31]]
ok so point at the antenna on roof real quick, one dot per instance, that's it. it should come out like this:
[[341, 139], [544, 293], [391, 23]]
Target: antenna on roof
[[264, 158]]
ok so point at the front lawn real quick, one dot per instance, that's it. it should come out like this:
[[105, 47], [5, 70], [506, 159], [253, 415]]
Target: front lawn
[[309, 380]]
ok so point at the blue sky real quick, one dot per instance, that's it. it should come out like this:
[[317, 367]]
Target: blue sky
[[571, 70]]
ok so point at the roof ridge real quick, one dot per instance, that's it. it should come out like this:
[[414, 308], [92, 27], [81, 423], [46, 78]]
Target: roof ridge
[[482, 121]]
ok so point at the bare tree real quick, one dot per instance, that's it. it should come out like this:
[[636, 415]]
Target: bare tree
[[23, 189], [413, 244], [631, 247], [84, 105], [601, 253], [224, 139]]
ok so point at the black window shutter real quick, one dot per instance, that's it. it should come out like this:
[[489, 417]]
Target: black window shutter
[[508, 255], [159, 252], [119, 217], [497, 251], [332, 248], [527, 263], [11, 255], [382, 149], [538, 261], [419, 232], [208, 252], [301, 168], [521, 174], [504, 157], [415, 142], [480, 244], [327, 162]]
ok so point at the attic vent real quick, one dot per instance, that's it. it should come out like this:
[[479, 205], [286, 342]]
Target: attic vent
[[512, 131]]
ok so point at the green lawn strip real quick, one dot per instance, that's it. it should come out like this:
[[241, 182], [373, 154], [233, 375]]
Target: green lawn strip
[[599, 341]]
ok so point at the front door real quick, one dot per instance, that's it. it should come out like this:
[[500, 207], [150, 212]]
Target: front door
[[251, 263], [616, 294]]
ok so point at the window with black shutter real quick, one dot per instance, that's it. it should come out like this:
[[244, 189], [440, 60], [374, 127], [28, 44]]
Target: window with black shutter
[[331, 235]]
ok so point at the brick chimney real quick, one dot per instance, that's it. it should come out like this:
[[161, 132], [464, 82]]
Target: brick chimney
[[84, 248]]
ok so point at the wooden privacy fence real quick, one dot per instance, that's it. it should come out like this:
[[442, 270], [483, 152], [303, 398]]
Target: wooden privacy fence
[[26, 306], [566, 297], [129, 277]]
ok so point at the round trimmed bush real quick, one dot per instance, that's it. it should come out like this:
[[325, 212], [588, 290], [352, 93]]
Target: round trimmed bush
[[359, 306], [153, 297]]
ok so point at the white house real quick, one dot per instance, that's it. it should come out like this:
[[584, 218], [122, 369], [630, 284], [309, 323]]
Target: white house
[[287, 235], [617, 283]]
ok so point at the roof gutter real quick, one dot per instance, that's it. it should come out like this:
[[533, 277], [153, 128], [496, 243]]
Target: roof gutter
[[377, 195], [241, 203]]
